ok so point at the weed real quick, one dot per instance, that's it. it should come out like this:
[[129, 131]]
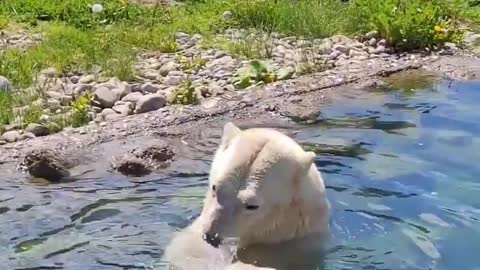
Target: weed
[[6, 107], [185, 94], [411, 24], [252, 46], [309, 63], [31, 115], [258, 72], [80, 108], [191, 64]]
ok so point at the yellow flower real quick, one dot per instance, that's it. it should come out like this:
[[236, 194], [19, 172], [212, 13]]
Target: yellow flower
[[437, 28]]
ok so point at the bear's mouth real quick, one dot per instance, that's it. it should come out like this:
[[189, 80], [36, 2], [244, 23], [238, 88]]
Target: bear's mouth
[[213, 239]]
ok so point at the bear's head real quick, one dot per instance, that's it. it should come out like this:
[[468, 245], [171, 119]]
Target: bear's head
[[257, 188]]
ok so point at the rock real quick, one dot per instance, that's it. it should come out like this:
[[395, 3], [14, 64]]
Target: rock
[[26, 135], [131, 166], [450, 46], [341, 48], [173, 80], [167, 68], [334, 55], [371, 34], [150, 74], [150, 102], [470, 40], [11, 136], [47, 164], [382, 42], [227, 15], [49, 72], [2, 142], [122, 89], [285, 73], [140, 162], [149, 88], [87, 79], [374, 84], [379, 50], [105, 97], [132, 97], [372, 42], [82, 89], [37, 129], [123, 109], [107, 111], [159, 153], [66, 100], [5, 84], [53, 94]]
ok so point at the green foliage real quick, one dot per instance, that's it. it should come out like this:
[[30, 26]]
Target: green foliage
[[191, 64], [6, 107], [252, 46], [185, 94], [412, 24], [80, 108], [31, 115], [309, 18], [258, 72]]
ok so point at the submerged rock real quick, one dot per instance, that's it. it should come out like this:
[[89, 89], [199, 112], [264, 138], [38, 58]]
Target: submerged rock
[[47, 164], [141, 162]]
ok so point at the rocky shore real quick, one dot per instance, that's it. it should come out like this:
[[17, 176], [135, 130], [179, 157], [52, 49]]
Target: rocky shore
[[299, 75]]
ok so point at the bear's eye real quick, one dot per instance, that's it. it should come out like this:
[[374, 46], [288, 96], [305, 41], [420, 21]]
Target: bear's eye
[[214, 188], [251, 207]]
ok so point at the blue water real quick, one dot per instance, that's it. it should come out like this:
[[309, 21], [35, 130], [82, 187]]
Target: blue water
[[401, 168]]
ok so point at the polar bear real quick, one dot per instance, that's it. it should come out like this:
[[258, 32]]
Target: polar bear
[[263, 189]]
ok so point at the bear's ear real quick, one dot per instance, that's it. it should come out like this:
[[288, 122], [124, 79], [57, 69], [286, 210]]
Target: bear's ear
[[306, 160], [230, 130]]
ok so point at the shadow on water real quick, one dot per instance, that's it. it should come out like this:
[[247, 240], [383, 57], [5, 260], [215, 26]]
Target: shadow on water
[[399, 166]]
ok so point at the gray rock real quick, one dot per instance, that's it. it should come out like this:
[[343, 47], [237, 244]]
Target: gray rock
[[53, 94], [341, 48], [382, 42], [122, 89], [150, 102], [149, 88], [123, 109], [285, 73], [2, 142], [450, 46], [132, 97], [150, 74], [82, 89], [65, 100], [227, 15], [37, 129], [173, 80], [5, 84], [379, 50], [334, 55], [87, 79], [371, 34], [107, 111], [105, 97], [167, 68], [111, 117], [472, 39], [11, 136], [26, 135], [49, 72], [372, 42]]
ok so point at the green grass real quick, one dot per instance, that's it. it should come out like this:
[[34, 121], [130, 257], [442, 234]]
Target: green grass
[[79, 40], [6, 105]]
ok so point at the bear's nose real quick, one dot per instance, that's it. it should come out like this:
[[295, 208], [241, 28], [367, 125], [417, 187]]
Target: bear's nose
[[213, 239]]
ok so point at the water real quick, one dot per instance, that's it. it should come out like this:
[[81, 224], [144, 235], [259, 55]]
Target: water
[[401, 169]]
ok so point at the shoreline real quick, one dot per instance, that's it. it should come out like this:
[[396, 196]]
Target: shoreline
[[296, 99]]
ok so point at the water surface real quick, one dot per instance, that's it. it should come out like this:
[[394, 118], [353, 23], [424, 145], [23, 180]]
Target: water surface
[[401, 169]]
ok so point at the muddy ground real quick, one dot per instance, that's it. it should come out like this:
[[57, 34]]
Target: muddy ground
[[273, 105]]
